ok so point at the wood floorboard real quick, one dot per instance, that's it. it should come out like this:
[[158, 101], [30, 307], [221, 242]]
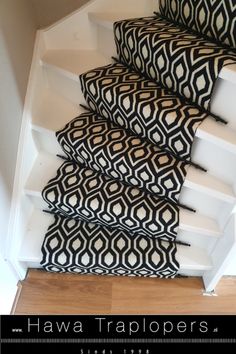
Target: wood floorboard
[[49, 293]]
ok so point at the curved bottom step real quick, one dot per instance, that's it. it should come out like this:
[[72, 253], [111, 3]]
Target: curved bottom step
[[193, 260]]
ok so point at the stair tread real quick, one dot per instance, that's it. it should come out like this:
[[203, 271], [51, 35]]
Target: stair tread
[[209, 130], [189, 257], [73, 62], [45, 168], [227, 73]]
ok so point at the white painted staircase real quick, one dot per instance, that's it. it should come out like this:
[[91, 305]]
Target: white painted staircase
[[82, 41]]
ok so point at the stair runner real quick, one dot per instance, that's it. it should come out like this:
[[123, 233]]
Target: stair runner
[[115, 198]]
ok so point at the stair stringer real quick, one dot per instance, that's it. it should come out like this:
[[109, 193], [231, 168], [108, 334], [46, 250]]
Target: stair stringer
[[21, 206]]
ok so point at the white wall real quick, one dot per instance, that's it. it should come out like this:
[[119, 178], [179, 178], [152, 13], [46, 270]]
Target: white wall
[[17, 34], [50, 11], [8, 287]]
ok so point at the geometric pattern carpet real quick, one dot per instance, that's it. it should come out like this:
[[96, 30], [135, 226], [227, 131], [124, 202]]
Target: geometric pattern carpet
[[215, 19], [109, 149], [81, 193], [115, 201], [183, 62], [143, 107], [80, 248]]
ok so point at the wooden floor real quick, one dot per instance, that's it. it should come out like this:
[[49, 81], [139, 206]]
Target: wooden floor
[[47, 293]]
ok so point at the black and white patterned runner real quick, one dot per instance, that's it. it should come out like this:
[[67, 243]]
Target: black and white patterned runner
[[79, 247], [115, 203], [105, 147], [143, 107], [81, 193], [183, 62], [215, 19]]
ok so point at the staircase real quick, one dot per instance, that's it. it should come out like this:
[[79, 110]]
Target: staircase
[[78, 43]]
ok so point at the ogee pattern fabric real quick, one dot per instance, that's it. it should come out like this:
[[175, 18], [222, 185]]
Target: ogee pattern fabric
[[143, 107], [213, 18], [81, 193], [111, 150], [84, 248], [184, 63], [115, 200]]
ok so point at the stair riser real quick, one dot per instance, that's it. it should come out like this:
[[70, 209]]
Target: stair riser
[[218, 162], [201, 202], [106, 36], [47, 142], [37, 201], [223, 101], [68, 88], [187, 272], [192, 273], [33, 265], [206, 205], [195, 239]]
